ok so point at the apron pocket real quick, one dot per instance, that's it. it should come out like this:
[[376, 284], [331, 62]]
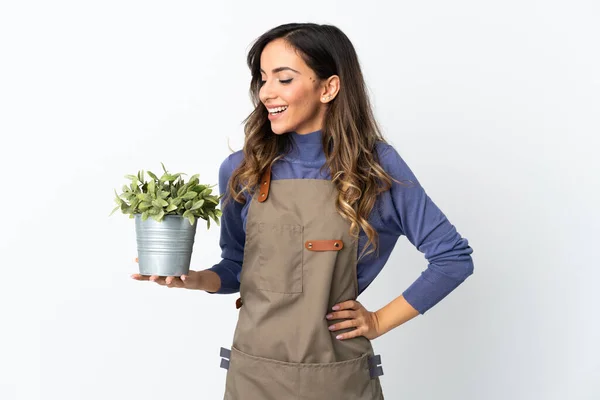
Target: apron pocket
[[348, 380], [250, 377], [280, 250], [256, 378]]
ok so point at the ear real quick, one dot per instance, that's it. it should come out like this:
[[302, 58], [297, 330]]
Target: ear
[[331, 87]]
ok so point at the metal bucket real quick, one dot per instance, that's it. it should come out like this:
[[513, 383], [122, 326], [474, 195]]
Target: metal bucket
[[164, 248]]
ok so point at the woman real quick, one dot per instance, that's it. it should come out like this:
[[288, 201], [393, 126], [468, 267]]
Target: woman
[[316, 201]]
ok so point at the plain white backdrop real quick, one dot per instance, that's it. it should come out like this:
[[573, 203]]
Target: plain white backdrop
[[494, 105]]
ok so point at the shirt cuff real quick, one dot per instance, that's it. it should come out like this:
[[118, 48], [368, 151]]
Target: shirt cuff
[[228, 273], [430, 288]]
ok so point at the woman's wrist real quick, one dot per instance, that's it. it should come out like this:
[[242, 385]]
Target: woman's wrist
[[394, 314], [208, 280]]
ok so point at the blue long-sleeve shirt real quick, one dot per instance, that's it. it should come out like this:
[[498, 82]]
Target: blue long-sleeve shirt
[[403, 210]]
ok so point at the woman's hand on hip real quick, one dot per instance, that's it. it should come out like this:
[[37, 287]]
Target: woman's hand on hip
[[365, 322]]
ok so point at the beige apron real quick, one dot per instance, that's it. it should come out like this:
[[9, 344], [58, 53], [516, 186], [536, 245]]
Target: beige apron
[[299, 261]]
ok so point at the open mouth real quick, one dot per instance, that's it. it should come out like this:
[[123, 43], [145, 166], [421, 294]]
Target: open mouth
[[277, 110]]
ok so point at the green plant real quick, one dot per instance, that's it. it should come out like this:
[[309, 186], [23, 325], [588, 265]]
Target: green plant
[[168, 195]]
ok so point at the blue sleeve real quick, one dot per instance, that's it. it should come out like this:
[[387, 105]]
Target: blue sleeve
[[413, 214], [232, 238]]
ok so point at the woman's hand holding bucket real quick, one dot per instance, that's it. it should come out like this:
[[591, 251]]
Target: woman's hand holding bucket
[[196, 280]]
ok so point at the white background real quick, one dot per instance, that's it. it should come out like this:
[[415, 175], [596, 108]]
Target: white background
[[494, 105]]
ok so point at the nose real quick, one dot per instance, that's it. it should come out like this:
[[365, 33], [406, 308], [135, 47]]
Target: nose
[[266, 92]]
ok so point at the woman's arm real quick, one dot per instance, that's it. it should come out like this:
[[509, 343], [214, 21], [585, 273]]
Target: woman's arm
[[232, 239], [414, 214]]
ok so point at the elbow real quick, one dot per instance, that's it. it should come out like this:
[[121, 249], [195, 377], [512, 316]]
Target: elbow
[[454, 266], [468, 268]]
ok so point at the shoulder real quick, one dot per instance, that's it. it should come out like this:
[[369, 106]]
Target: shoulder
[[230, 163], [393, 163]]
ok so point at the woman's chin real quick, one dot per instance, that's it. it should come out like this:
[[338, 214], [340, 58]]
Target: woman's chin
[[278, 129]]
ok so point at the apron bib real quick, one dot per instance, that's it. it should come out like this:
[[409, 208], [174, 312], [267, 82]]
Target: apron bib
[[299, 261]]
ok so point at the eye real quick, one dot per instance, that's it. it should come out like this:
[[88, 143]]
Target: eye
[[285, 81]]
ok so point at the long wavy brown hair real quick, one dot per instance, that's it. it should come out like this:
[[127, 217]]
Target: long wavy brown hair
[[350, 132]]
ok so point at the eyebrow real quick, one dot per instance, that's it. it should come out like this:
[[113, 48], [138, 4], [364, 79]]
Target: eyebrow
[[279, 69]]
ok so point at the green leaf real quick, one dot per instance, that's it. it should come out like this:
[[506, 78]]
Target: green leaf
[[190, 195], [181, 191], [169, 178], [144, 197], [132, 177], [171, 207], [114, 210], [163, 167], [135, 203], [144, 215], [118, 199], [197, 204], [163, 194], [189, 205], [152, 175], [144, 206], [160, 203], [199, 188], [188, 214]]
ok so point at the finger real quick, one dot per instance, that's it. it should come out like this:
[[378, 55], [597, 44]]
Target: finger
[[158, 279], [349, 335], [342, 314], [347, 305], [352, 323], [174, 281], [139, 277]]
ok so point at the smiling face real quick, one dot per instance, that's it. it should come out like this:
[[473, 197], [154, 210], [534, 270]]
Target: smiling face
[[292, 93]]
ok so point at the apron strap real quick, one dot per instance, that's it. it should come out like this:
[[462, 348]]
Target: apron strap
[[226, 354], [375, 369], [265, 184], [224, 364], [238, 303], [378, 371], [324, 245]]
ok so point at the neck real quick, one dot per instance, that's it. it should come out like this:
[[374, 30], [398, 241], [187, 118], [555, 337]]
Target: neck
[[306, 146]]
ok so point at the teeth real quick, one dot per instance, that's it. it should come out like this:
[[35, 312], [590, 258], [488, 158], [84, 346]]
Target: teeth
[[276, 110]]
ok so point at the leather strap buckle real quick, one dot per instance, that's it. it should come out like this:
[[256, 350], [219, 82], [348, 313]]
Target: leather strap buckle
[[324, 245], [265, 184]]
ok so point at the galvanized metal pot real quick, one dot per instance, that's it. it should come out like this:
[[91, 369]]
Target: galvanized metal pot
[[164, 248]]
